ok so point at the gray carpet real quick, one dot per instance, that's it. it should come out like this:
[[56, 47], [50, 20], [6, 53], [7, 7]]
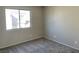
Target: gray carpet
[[39, 46]]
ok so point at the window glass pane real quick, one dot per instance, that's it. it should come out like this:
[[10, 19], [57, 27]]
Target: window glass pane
[[12, 18], [24, 19]]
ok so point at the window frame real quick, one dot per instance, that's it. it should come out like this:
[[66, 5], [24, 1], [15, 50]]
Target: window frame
[[19, 18]]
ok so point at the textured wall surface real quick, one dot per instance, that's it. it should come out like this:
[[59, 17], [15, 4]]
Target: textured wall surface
[[15, 36], [62, 25]]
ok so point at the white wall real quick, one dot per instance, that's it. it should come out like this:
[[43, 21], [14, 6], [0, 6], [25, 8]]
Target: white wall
[[62, 22], [12, 37]]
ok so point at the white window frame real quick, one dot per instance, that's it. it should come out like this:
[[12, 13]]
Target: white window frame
[[19, 18]]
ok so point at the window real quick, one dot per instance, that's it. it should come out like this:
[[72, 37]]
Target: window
[[17, 19]]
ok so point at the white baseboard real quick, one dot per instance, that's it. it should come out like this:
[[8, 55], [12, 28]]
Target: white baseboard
[[60, 42], [16, 43], [36, 37]]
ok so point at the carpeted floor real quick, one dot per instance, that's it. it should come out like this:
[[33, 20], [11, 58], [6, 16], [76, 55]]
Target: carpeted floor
[[39, 46]]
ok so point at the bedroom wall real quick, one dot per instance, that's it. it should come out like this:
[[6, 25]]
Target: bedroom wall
[[62, 25], [15, 36]]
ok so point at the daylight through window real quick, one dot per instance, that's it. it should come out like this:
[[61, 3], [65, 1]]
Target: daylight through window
[[17, 19]]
